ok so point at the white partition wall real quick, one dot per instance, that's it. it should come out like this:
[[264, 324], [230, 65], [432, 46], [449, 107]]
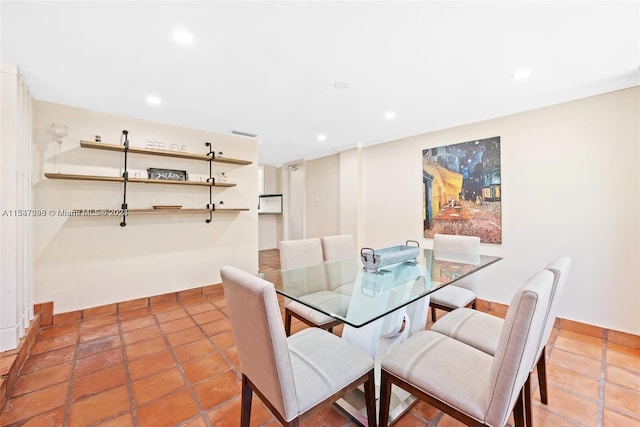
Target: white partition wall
[[16, 301]]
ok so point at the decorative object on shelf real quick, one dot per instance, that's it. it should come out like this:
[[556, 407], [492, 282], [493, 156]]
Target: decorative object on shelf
[[59, 131], [98, 138], [219, 153], [223, 177], [167, 207], [168, 174]]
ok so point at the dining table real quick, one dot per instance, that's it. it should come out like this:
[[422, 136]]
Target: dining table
[[379, 308]]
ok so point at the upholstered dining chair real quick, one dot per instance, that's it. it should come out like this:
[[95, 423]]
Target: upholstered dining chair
[[482, 330], [340, 275], [468, 384], [300, 253], [463, 292], [338, 247], [293, 375]]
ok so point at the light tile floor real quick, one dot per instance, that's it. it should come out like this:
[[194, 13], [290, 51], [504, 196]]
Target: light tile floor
[[175, 364]]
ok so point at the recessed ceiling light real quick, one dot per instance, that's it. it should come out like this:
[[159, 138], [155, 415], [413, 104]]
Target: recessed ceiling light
[[521, 74], [341, 85], [390, 115], [154, 100], [322, 137], [183, 36]]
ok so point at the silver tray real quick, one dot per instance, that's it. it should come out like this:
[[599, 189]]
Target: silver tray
[[373, 260]]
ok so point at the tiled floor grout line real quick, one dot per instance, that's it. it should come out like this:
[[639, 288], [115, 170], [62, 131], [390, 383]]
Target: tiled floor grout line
[[69, 400], [134, 412], [178, 364]]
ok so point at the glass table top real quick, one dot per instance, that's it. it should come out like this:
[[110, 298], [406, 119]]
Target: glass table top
[[343, 290]]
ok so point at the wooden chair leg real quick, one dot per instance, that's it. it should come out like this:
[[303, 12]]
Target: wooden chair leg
[[370, 399], [527, 403], [433, 314], [518, 411], [385, 399], [473, 304], [542, 375], [247, 393], [287, 322]]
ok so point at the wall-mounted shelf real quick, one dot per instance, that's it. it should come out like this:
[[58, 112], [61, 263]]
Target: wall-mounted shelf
[[126, 149], [139, 180], [163, 153]]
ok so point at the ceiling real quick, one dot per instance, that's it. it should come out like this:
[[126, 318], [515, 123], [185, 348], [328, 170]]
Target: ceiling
[[271, 68]]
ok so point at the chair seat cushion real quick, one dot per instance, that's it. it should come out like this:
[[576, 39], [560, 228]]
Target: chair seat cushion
[[330, 301], [446, 369], [323, 363], [475, 328], [453, 296]]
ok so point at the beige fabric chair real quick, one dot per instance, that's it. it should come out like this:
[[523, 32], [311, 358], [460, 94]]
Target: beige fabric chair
[[300, 253], [340, 275], [463, 292], [468, 384], [482, 330], [290, 375]]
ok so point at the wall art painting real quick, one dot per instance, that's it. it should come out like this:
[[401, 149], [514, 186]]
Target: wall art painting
[[462, 190]]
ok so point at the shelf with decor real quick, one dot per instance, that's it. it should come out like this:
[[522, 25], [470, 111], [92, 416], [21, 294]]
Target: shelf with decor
[[156, 176]]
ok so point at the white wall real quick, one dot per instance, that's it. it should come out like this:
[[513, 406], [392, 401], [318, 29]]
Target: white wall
[[570, 186], [322, 190], [82, 262]]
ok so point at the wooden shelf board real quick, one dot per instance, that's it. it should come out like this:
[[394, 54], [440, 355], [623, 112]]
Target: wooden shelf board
[[136, 180], [97, 212], [164, 153]]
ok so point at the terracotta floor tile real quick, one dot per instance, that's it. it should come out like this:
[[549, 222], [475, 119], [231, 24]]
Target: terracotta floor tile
[[145, 348], [100, 407], [98, 361], [205, 366], [164, 306], [52, 418], [197, 421], [96, 322], [215, 390], [55, 343], [623, 356], [125, 316], [228, 413], [149, 365], [209, 316], [124, 420], [542, 417], [193, 350], [571, 406], [59, 331], [424, 411], [216, 327], [141, 334], [137, 323], [623, 377], [168, 316], [185, 336], [200, 308], [231, 354], [622, 399], [566, 379], [102, 331], [49, 358], [445, 421], [588, 347], [223, 340], [177, 325], [192, 300], [574, 362], [613, 418], [43, 378], [150, 388], [28, 405], [98, 345], [325, 416], [97, 382], [168, 411]]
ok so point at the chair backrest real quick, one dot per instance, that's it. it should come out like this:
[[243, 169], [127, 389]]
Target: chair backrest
[[299, 253], [517, 346], [338, 247], [339, 274], [560, 269], [445, 245], [261, 343]]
